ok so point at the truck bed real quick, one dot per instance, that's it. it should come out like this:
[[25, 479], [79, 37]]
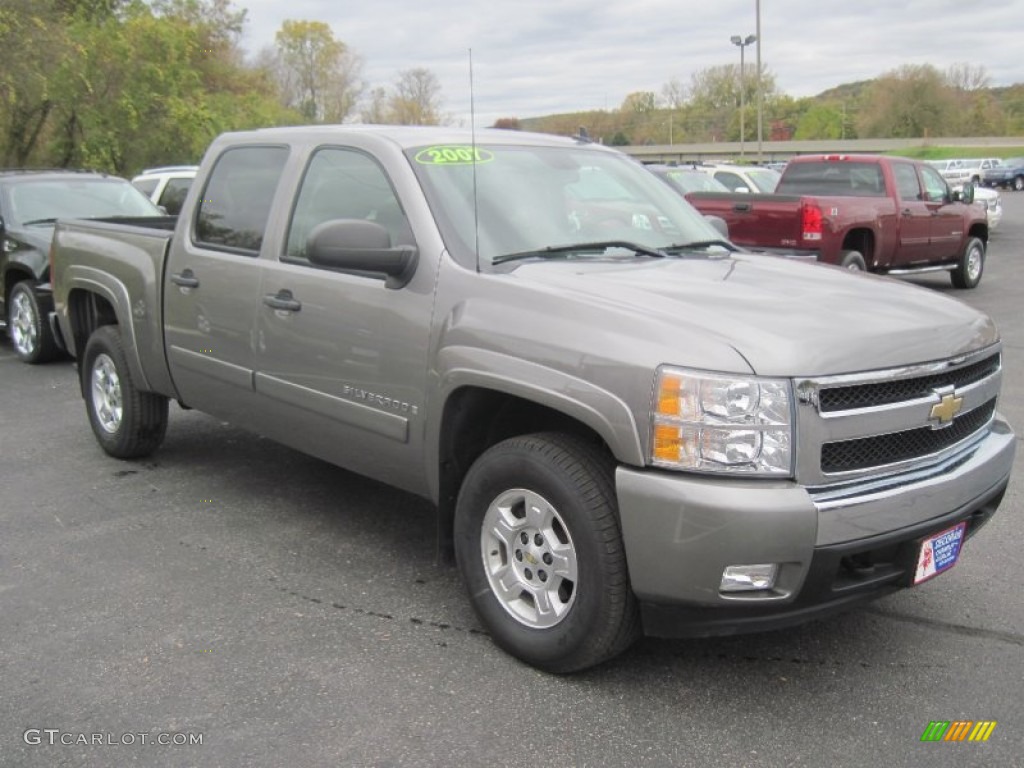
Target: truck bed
[[124, 260], [754, 220]]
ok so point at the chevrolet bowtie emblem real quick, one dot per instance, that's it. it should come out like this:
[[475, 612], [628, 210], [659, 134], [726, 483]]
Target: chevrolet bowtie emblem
[[948, 407]]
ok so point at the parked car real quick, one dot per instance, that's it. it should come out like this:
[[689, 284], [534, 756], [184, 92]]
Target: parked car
[[685, 179], [1009, 174], [950, 170], [974, 168], [743, 178], [626, 424], [30, 203], [959, 170], [166, 186], [889, 215]]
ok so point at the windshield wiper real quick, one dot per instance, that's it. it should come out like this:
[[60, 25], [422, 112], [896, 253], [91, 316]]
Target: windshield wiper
[[699, 245], [595, 247], [39, 221]]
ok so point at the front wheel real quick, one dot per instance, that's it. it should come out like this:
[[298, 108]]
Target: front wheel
[[27, 324], [538, 544], [127, 422], [1018, 183], [972, 263]]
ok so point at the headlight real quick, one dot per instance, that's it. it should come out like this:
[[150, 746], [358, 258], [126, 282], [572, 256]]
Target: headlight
[[716, 423]]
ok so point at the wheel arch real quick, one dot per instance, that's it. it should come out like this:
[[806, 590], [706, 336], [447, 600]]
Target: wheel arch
[[14, 274], [861, 239], [979, 229], [94, 301], [482, 408]]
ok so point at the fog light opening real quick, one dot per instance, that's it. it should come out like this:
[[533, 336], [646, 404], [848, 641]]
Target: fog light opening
[[749, 578]]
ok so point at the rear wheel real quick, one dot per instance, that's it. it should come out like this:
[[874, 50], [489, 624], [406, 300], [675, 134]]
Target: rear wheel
[[1018, 183], [538, 544], [853, 261], [972, 263], [127, 422], [28, 324]]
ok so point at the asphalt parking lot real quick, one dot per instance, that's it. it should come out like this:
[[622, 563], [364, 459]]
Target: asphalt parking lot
[[280, 611]]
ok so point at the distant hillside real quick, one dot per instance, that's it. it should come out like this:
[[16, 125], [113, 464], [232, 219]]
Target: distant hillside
[[839, 112]]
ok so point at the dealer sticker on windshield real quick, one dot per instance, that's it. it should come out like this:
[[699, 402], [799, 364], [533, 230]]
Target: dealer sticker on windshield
[[453, 155], [939, 552]]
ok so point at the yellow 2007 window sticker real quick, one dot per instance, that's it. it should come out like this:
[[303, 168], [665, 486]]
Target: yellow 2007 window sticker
[[454, 155]]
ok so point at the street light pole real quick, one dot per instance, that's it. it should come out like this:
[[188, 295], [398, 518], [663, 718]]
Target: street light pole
[[760, 96], [742, 43]]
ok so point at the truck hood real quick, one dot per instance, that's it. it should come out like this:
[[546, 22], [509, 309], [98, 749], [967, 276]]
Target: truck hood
[[785, 317]]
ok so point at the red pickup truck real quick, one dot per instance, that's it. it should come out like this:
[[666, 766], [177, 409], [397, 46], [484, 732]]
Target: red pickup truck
[[883, 214]]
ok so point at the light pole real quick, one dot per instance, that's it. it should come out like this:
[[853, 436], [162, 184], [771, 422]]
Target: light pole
[[742, 43], [760, 96]]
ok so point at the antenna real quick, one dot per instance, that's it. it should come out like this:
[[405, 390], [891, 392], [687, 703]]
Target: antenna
[[472, 139]]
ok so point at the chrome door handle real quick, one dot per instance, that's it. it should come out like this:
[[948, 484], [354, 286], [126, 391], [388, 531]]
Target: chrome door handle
[[283, 299], [186, 279]]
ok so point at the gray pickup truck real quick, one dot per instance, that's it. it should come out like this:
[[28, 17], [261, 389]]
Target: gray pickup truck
[[627, 424]]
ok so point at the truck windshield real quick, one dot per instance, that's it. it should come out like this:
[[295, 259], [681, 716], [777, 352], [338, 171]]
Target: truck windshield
[[492, 201], [45, 201]]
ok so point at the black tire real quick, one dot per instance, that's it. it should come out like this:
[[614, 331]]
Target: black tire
[[28, 324], [569, 483], [853, 261], [1018, 183], [971, 265], [127, 422]]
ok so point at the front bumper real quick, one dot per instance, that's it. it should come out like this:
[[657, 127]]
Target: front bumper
[[833, 548]]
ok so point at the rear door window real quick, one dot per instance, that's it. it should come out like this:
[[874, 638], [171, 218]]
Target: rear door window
[[235, 206], [907, 185]]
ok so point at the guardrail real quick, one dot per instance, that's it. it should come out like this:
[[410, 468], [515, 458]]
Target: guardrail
[[774, 151]]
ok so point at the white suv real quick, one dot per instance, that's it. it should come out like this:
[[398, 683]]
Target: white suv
[[166, 186], [743, 178]]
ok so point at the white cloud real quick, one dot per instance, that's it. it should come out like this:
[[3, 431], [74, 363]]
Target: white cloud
[[535, 57]]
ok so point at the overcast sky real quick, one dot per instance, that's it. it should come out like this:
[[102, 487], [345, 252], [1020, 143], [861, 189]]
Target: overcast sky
[[539, 57]]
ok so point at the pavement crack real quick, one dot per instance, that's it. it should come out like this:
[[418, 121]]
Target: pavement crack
[[416, 622], [1011, 638]]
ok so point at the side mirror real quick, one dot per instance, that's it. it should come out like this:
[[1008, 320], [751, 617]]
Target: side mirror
[[361, 246], [967, 194], [742, 190]]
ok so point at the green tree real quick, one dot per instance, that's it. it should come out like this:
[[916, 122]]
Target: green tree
[[416, 99], [912, 101], [35, 45], [820, 121], [640, 102], [318, 75], [674, 93], [375, 110]]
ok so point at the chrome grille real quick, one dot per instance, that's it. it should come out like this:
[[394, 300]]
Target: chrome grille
[[867, 425], [880, 450], [885, 392]]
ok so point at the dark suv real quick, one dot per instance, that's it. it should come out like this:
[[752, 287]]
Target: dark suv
[[30, 203]]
